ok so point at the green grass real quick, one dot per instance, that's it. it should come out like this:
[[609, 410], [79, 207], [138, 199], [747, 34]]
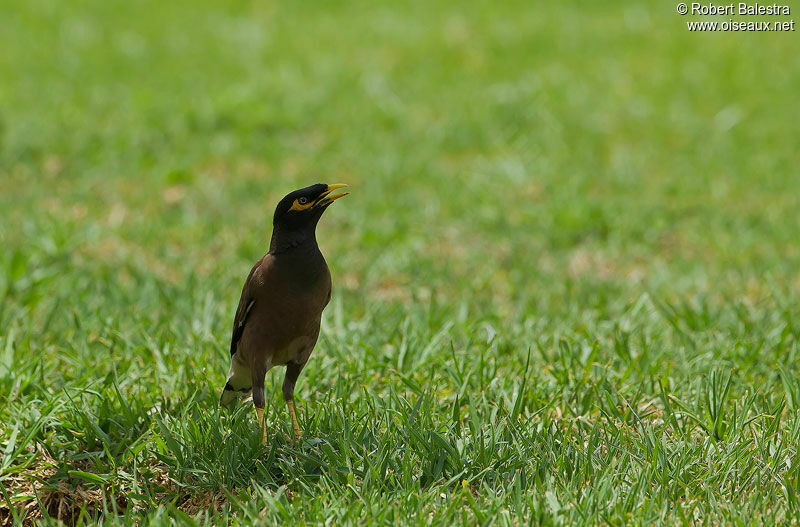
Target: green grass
[[565, 282]]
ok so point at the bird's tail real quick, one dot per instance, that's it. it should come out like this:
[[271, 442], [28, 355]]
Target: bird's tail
[[230, 394], [239, 383]]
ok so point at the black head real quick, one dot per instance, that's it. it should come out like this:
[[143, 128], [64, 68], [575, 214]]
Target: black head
[[303, 208]]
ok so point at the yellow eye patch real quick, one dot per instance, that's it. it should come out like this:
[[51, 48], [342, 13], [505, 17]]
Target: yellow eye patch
[[297, 206]]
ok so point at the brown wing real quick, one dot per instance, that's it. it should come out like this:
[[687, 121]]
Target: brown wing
[[246, 303]]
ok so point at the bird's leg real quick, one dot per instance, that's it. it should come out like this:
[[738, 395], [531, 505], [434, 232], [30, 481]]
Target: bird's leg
[[292, 372], [260, 413], [258, 402], [297, 435]]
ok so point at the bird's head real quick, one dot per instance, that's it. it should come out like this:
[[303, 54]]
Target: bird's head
[[303, 208], [297, 214]]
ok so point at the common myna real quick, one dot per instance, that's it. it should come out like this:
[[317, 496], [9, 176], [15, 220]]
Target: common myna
[[277, 321]]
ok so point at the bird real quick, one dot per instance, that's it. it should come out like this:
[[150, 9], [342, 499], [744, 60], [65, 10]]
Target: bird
[[277, 321]]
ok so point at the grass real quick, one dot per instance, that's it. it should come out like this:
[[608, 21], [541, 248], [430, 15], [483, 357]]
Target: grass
[[565, 282]]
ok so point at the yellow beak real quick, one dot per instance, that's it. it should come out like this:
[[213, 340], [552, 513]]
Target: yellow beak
[[327, 198]]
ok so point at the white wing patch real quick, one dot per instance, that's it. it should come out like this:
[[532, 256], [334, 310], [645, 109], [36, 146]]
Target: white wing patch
[[247, 313]]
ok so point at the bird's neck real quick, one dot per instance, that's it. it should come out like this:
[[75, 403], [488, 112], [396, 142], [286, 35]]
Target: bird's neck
[[285, 241], [298, 258]]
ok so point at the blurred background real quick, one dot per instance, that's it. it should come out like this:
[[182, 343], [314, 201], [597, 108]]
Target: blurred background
[[497, 152]]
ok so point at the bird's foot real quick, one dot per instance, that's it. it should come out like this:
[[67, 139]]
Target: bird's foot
[[297, 435], [260, 412]]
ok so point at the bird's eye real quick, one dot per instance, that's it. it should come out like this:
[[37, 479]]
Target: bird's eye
[[302, 201]]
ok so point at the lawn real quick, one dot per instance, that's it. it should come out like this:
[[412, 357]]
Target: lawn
[[565, 284]]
